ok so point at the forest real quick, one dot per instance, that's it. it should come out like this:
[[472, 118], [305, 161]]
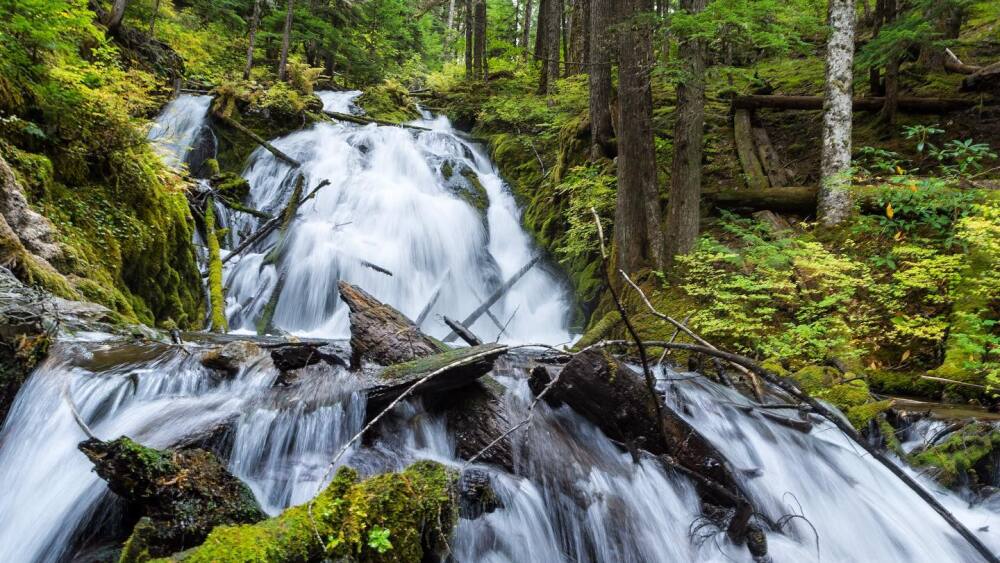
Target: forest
[[499, 280]]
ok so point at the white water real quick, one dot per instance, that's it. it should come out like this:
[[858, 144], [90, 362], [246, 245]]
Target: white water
[[177, 127], [574, 496], [389, 204]]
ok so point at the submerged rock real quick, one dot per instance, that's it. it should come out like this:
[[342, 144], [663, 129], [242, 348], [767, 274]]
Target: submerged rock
[[181, 494]]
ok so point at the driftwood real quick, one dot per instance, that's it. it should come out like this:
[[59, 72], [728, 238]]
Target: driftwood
[[906, 103], [463, 332], [257, 139], [497, 295], [792, 389], [380, 333], [753, 170]]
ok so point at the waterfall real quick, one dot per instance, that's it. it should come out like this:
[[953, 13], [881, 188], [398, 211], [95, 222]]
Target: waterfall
[[573, 494], [405, 201]]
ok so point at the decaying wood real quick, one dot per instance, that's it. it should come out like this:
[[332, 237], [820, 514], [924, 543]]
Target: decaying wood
[[463, 332], [476, 417], [257, 139], [986, 79], [953, 64], [906, 103], [777, 174], [952, 382], [787, 199], [753, 171], [362, 120], [380, 333], [496, 296]]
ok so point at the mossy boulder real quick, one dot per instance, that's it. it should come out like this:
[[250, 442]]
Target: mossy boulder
[[966, 457], [404, 516], [847, 392], [464, 183], [183, 494], [389, 101], [26, 329]]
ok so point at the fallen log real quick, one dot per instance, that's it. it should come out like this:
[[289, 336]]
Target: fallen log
[[382, 334], [476, 417], [790, 387], [986, 79], [907, 104], [786, 199], [256, 138], [463, 332], [457, 368], [612, 396], [181, 494], [217, 295], [777, 174], [496, 296], [753, 170], [953, 64], [363, 120], [434, 297]]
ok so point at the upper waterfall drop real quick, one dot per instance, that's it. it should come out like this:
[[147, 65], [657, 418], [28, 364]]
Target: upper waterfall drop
[[427, 206], [176, 130]]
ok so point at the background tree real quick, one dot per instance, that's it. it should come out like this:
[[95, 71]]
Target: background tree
[[479, 40], [252, 38], [834, 204], [469, 25], [683, 204], [286, 39], [599, 79], [638, 232]]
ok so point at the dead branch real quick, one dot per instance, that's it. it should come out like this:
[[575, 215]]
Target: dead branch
[[463, 332], [499, 293], [256, 138]]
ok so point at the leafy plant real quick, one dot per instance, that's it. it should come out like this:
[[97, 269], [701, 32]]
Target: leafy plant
[[378, 539], [874, 159], [921, 133], [962, 157]]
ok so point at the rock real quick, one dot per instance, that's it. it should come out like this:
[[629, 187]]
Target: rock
[[230, 358], [295, 356], [382, 334], [182, 494], [395, 380], [476, 495], [476, 416], [27, 324], [33, 231]]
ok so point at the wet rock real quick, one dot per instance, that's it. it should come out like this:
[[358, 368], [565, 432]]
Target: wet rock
[[27, 323], [230, 358], [295, 356], [476, 417], [476, 494], [382, 334], [182, 494]]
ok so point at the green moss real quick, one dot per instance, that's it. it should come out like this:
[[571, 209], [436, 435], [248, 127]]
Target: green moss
[[389, 101], [415, 507], [599, 330], [428, 364], [959, 457], [217, 294]]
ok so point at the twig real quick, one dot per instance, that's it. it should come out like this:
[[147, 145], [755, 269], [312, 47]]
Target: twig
[[755, 382], [952, 381], [503, 329], [76, 414]]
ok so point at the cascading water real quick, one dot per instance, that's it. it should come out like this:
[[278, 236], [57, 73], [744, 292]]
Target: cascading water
[[573, 494], [176, 130], [405, 201]]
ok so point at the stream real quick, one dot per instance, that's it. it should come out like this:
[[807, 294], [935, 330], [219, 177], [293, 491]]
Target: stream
[[573, 495]]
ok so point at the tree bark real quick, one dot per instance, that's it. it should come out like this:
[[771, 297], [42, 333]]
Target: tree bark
[[286, 40], [753, 169], [599, 56], [254, 22], [834, 194], [152, 18], [448, 31], [689, 130], [526, 32], [550, 44], [468, 40], [113, 19], [579, 37], [638, 231], [874, 74], [888, 114], [479, 41]]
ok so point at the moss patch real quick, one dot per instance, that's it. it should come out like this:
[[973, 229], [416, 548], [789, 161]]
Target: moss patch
[[963, 457]]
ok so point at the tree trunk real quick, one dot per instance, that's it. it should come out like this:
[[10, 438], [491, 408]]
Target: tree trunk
[[888, 115], [254, 22], [666, 16], [448, 31], [579, 37], [479, 41], [599, 57], [874, 74], [553, 25], [834, 204], [152, 19], [286, 40], [113, 19], [526, 32], [689, 130], [468, 40], [638, 231], [564, 27]]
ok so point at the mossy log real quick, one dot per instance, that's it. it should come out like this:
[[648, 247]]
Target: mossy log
[[907, 104], [788, 199], [183, 493], [777, 174], [396, 379], [217, 295], [986, 79], [380, 333], [256, 138], [404, 516]]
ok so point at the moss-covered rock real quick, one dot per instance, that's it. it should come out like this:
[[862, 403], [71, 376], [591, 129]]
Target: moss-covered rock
[[404, 516], [965, 458], [389, 101], [26, 329], [846, 392], [184, 494]]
